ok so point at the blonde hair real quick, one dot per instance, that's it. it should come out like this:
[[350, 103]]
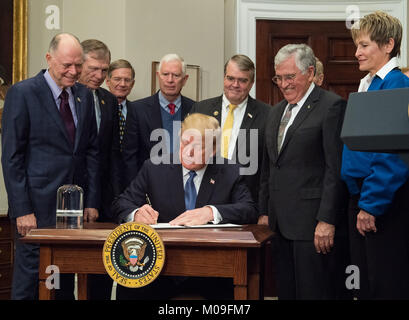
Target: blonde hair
[[204, 124], [380, 27]]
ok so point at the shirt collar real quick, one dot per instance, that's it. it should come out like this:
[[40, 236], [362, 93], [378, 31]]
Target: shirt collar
[[199, 173], [55, 89], [226, 102], [388, 67], [164, 102], [302, 100]]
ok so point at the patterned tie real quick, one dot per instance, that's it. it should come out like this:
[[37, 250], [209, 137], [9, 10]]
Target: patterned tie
[[171, 107], [66, 115], [283, 125], [121, 125], [190, 192], [226, 133]]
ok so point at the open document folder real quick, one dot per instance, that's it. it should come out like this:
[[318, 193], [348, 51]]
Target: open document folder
[[168, 226]]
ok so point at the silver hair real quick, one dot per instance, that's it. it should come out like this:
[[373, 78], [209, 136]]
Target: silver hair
[[304, 56], [173, 57]]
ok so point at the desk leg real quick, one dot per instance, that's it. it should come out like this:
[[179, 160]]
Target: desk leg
[[240, 275], [82, 286], [45, 260]]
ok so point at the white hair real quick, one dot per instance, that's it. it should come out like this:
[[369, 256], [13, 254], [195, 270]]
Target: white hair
[[173, 57], [304, 56]]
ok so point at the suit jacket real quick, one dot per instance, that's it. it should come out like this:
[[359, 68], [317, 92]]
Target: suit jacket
[[37, 156], [301, 185], [254, 118], [109, 154], [143, 117], [221, 186]]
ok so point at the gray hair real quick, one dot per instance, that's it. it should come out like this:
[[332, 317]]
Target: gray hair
[[173, 57], [304, 56]]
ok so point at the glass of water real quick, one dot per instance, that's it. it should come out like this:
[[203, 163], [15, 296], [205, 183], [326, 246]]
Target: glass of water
[[70, 207]]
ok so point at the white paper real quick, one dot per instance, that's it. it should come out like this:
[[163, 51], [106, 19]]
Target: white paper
[[168, 226]]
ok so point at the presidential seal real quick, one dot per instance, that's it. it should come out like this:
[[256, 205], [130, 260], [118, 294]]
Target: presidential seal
[[133, 255]]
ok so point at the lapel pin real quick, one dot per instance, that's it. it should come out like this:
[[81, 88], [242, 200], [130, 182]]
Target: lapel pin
[[212, 181], [216, 113], [102, 101], [250, 115], [78, 99], [309, 107]]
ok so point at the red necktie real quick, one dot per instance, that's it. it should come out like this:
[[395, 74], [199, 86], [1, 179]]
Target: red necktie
[[171, 107], [66, 115]]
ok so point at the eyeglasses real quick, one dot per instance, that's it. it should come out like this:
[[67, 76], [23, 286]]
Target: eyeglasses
[[287, 77], [242, 81], [118, 79]]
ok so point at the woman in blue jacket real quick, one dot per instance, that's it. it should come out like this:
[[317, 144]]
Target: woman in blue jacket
[[378, 182]]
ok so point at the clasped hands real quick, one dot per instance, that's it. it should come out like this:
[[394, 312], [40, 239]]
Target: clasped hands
[[147, 215]]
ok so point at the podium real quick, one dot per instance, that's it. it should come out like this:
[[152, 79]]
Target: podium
[[236, 253], [378, 121]]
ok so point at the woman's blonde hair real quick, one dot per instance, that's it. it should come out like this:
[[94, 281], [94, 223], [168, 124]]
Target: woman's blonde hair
[[380, 27]]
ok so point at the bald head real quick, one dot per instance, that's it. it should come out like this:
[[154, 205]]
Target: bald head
[[65, 58]]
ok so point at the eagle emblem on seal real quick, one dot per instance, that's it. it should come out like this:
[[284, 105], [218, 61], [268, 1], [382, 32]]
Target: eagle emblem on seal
[[134, 252]]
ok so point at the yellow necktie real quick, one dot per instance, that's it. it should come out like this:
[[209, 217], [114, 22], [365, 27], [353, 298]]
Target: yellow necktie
[[226, 133]]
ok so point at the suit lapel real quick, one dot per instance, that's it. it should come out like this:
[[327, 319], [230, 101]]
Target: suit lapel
[[304, 112], [215, 109], [207, 185], [156, 120], [175, 178], [79, 100], [276, 125]]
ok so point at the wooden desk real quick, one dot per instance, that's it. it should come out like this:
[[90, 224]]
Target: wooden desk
[[236, 253]]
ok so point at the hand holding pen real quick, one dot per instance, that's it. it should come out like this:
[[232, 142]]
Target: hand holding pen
[[146, 214]]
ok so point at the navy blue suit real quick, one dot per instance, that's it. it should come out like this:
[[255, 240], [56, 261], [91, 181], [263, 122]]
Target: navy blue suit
[[109, 154], [38, 158], [222, 186], [143, 117]]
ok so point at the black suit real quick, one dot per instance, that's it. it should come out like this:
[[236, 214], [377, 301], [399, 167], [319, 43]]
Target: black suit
[[301, 185], [254, 118], [143, 117]]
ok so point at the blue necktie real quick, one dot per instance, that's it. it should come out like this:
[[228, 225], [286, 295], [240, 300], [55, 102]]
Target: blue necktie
[[190, 192]]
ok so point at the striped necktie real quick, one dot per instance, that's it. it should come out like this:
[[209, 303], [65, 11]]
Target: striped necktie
[[121, 125], [283, 125]]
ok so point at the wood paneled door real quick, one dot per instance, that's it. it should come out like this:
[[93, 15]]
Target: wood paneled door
[[331, 42]]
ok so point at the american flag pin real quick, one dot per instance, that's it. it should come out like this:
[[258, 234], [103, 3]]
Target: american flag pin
[[212, 181], [102, 101], [78, 98], [250, 115]]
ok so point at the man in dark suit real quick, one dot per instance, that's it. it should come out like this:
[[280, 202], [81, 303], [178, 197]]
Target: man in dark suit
[[164, 111], [301, 191], [96, 62], [120, 81], [203, 190], [49, 139], [241, 117], [94, 71]]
